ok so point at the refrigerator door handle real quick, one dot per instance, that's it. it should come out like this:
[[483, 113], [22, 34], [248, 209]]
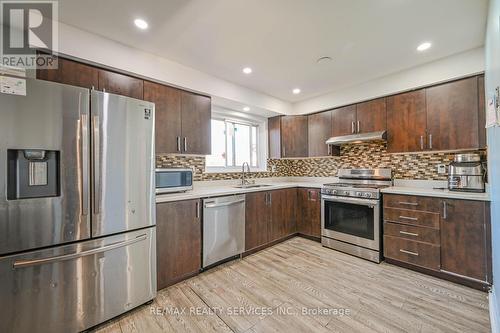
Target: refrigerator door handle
[[35, 262], [97, 165], [84, 141]]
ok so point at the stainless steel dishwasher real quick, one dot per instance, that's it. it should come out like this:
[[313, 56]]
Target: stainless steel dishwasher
[[223, 228]]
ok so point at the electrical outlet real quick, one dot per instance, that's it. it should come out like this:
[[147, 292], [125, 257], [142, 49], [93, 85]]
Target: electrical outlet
[[273, 168], [441, 168]]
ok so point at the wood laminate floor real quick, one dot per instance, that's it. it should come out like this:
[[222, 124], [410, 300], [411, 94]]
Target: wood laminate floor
[[300, 286]]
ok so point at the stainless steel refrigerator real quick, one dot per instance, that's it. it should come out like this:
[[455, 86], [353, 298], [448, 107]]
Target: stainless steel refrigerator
[[77, 217]]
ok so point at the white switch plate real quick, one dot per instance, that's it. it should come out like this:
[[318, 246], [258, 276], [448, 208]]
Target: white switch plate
[[441, 169]]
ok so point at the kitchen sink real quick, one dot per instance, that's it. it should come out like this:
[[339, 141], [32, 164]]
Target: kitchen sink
[[252, 186]]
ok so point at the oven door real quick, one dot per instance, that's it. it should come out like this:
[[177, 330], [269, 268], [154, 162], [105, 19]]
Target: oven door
[[351, 220]]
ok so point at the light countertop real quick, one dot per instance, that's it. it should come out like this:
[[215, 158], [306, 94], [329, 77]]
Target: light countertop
[[207, 189], [432, 189]]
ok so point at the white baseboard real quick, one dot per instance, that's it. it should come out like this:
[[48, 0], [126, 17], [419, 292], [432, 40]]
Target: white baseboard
[[493, 305]]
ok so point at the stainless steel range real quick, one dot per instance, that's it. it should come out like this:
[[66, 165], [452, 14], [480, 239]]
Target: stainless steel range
[[351, 212]]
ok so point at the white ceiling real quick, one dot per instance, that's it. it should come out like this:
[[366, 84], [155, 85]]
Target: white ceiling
[[281, 39]]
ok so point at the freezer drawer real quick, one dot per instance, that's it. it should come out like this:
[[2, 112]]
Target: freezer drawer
[[223, 228], [74, 287]]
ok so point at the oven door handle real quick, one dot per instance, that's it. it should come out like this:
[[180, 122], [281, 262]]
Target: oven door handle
[[355, 201]]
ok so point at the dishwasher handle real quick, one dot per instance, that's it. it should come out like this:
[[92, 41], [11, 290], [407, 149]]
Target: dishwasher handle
[[230, 203]]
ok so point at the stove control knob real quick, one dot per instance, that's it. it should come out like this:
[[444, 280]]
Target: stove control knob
[[333, 192], [359, 194], [367, 195]]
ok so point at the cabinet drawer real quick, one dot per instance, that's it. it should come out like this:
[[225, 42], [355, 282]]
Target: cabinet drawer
[[412, 217], [421, 234], [412, 203], [416, 253]]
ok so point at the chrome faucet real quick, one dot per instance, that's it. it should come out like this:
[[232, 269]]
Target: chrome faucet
[[243, 180]]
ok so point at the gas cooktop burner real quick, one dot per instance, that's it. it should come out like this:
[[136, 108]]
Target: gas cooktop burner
[[360, 186], [361, 183]]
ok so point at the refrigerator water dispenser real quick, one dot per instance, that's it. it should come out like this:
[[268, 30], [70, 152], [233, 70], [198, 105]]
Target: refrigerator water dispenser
[[32, 174]]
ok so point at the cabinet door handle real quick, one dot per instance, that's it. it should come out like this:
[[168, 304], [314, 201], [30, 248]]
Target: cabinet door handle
[[445, 210], [408, 233], [197, 209], [409, 252], [408, 203], [178, 143], [430, 141], [270, 198], [353, 127], [329, 150], [421, 142], [408, 218], [358, 126], [185, 144]]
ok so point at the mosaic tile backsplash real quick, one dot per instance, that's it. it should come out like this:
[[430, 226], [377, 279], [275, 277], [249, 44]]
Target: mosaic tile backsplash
[[365, 155]]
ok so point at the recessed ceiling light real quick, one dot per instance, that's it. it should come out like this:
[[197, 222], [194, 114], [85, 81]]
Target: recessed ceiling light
[[424, 46], [246, 108], [247, 70], [296, 91], [141, 24]]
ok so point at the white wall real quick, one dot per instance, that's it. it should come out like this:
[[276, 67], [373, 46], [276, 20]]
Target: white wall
[[99, 50], [463, 64], [93, 48], [492, 80]]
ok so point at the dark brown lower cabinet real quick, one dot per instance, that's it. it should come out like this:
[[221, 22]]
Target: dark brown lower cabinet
[[178, 241], [283, 213], [309, 212], [465, 239], [448, 237], [269, 216], [256, 219]]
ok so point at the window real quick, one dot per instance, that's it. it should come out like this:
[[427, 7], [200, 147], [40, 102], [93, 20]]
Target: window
[[233, 143]]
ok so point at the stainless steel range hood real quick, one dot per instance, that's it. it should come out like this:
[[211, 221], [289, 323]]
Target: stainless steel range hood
[[357, 138]]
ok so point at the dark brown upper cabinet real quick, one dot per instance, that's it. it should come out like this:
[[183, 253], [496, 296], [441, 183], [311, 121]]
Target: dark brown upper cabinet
[[481, 111], [182, 120], [344, 120], [359, 118], [406, 122], [196, 117], [167, 116], [72, 73], [371, 116], [120, 84], [320, 130], [453, 115], [274, 136], [288, 136]]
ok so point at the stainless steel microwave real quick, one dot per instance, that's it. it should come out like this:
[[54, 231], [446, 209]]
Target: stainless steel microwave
[[174, 180]]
